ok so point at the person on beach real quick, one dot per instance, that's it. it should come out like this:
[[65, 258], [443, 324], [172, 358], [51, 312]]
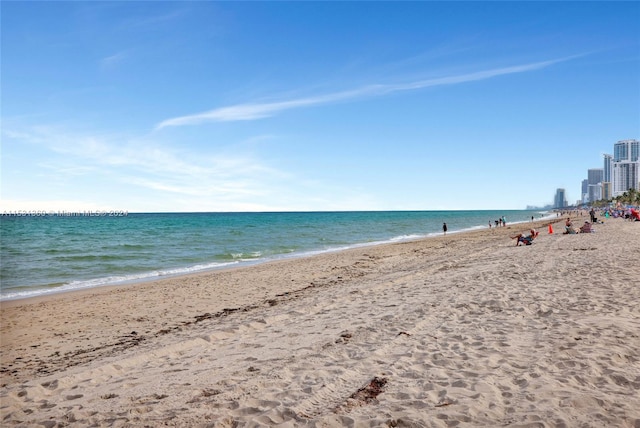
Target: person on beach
[[519, 237], [586, 228], [526, 240], [568, 227], [444, 228]]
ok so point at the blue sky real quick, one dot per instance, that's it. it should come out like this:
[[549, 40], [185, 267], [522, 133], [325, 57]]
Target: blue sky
[[280, 106]]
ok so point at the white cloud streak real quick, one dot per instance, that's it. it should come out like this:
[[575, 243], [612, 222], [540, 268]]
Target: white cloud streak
[[145, 164], [114, 60], [262, 110], [140, 175]]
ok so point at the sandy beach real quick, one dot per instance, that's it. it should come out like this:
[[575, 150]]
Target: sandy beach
[[462, 330]]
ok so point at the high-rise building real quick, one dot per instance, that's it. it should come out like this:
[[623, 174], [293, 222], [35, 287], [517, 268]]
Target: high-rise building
[[607, 167], [626, 175], [560, 200], [595, 192], [585, 191], [594, 178], [626, 150], [625, 171], [606, 190]]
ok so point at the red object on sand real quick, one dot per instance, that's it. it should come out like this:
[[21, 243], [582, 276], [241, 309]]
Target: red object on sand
[[550, 230]]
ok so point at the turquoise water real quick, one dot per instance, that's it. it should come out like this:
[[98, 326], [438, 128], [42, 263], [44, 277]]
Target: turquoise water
[[54, 253]]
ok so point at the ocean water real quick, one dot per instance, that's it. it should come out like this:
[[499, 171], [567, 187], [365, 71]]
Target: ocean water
[[42, 254]]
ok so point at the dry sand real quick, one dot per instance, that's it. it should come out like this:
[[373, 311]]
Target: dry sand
[[462, 330]]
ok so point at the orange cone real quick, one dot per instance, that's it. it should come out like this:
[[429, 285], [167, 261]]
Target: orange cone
[[550, 229]]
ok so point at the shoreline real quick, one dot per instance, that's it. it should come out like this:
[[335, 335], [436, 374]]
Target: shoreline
[[463, 328], [249, 263]]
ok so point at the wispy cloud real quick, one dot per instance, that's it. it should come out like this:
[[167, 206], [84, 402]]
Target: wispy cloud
[[113, 60], [151, 165], [138, 174], [252, 111]]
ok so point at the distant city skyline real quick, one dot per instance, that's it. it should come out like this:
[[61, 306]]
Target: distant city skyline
[[620, 172], [311, 106]]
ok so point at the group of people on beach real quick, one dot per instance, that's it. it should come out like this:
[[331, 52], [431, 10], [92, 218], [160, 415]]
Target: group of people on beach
[[631, 214], [585, 228], [628, 213], [502, 221]]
